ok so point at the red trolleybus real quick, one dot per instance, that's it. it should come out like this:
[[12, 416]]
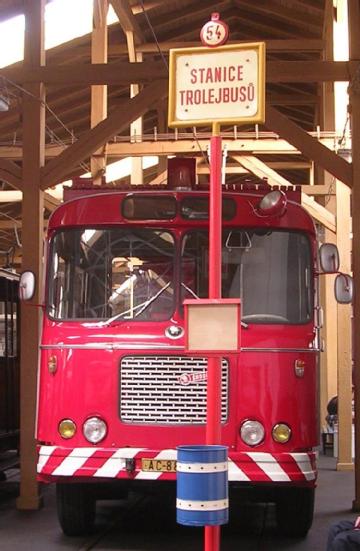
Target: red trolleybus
[[117, 390]]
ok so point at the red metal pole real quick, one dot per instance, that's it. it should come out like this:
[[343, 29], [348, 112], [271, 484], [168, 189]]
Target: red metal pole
[[213, 432], [215, 218], [213, 426]]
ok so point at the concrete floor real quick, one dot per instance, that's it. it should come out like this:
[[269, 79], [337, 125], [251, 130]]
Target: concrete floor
[[151, 526]]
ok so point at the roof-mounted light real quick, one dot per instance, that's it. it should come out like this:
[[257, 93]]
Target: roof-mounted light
[[181, 173], [272, 204]]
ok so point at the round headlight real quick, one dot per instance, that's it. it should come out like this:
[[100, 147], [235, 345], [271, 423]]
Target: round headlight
[[281, 433], [67, 428], [252, 432], [94, 430]]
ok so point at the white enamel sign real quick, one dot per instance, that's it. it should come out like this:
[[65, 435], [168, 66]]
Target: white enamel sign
[[222, 85]]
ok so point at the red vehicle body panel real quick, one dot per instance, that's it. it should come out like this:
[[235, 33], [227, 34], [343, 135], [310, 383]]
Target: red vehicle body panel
[[262, 380]]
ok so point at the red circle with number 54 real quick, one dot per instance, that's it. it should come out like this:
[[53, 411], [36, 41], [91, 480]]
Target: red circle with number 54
[[215, 32]]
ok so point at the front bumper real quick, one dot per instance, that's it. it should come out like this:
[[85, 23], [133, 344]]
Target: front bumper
[[59, 463]]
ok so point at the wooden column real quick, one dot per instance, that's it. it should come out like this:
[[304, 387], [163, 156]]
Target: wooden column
[[343, 230], [162, 127], [328, 359], [136, 127], [354, 90], [32, 236], [99, 54], [344, 375], [134, 37]]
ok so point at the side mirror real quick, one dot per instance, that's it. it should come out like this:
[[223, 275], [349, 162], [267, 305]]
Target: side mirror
[[329, 258], [27, 285], [344, 288]]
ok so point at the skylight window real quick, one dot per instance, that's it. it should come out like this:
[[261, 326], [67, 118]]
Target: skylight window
[[64, 21]]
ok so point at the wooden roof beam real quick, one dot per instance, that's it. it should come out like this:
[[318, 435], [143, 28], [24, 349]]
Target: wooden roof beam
[[308, 71], [11, 173], [97, 73], [309, 146], [270, 145], [182, 18], [50, 202], [91, 140], [318, 212], [289, 16], [9, 178], [276, 45], [292, 99], [127, 19], [252, 23], [126, 73], [311, 8]]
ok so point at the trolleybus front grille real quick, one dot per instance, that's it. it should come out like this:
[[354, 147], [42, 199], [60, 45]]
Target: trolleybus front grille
[[167, 390]]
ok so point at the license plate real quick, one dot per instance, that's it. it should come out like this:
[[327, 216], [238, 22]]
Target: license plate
[[159, 465]]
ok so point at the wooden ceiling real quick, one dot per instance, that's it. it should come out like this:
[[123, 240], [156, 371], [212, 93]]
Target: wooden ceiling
[[294, 30]]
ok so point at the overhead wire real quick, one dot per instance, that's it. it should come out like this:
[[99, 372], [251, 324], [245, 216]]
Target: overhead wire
[[18, 242], [52, 112], [167, 68], [340, 142], [53, 135]]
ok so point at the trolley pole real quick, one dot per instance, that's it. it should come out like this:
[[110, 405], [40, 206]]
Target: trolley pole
[[213, 425]]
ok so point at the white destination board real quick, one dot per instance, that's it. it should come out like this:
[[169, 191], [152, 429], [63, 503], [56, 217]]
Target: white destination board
[[222, 85]]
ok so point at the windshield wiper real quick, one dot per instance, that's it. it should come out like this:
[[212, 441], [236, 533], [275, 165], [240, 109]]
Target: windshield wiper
[[151, 299], [139, 307], [189, 290]]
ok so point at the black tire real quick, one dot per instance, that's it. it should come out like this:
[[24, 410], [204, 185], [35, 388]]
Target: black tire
[[295, 511], [75, 509]]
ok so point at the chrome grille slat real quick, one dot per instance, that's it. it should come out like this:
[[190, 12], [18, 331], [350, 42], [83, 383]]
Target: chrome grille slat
[[150, 391]]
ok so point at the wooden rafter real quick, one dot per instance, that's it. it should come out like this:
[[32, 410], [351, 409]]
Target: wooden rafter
[[311, 8], [308, 71], [290, 16], [200, 13], [50, 202], [10, 172], [308, 145], [91, 140], [125, 73], [97, 73], [9, 178], [293, 99], [318, 212], [127, 19], [272, 145], [276, 45]]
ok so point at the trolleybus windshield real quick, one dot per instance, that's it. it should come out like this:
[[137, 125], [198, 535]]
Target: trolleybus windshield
[[124, 273], [270, 271], [128, 273]]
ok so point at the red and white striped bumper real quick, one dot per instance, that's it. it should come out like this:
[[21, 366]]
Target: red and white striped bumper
[[105, 463]]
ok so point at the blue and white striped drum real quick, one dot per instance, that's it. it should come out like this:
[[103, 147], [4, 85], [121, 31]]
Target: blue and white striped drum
[[202, 497]]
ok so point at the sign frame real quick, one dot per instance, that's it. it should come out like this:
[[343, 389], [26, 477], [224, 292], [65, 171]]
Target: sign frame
[[208, 324], [259, 117]]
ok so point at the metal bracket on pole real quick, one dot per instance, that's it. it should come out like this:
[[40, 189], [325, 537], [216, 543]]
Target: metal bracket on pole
[[208, 153], [223, 168]]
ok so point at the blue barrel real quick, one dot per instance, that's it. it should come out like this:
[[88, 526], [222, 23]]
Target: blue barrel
[[202, 485]]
